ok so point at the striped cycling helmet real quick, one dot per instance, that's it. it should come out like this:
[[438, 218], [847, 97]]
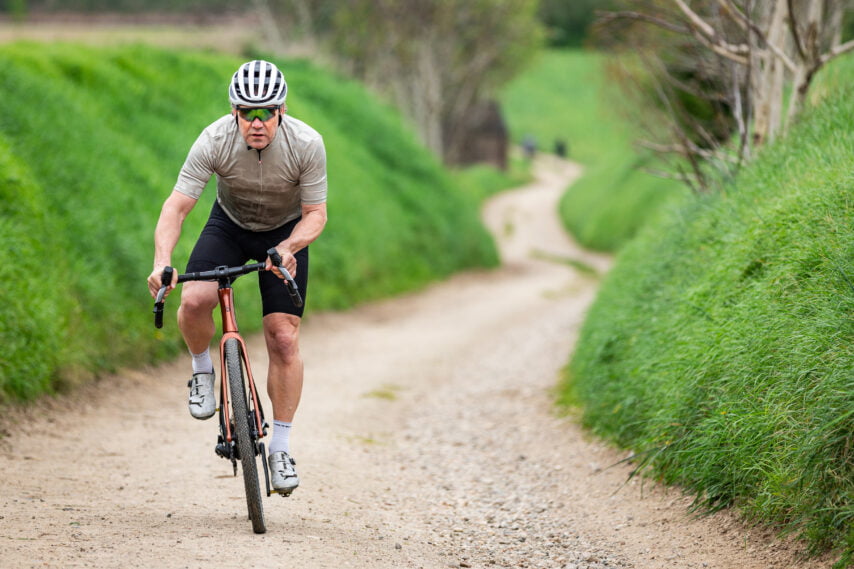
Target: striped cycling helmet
[[258, 84]]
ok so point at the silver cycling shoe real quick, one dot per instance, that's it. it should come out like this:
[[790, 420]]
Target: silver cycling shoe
[[202, 401], [283, 475]]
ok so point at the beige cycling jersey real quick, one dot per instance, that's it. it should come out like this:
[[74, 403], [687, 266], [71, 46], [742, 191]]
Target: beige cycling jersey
[[259, 190]]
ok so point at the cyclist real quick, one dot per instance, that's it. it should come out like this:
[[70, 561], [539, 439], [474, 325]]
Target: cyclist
[[271, 192]]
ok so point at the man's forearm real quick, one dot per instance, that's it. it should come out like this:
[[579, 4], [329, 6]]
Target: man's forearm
[[168, 230], [306, 231]]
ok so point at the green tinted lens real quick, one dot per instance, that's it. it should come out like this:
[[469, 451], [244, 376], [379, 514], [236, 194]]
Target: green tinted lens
[[263, 113]]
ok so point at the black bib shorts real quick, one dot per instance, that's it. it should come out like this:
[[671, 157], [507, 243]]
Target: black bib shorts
[[223, 242]]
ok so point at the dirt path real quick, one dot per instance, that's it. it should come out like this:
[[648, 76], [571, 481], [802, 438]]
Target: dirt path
[[426, 438]]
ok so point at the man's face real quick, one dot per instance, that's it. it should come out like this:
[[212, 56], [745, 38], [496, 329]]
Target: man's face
[[257, 124]]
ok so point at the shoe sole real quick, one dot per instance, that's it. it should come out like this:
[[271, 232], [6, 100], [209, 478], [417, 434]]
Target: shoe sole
[[204, 418], [284, 492]]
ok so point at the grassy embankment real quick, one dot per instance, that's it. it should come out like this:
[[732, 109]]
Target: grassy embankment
[[564, 96], [721, 346], [91, 141]]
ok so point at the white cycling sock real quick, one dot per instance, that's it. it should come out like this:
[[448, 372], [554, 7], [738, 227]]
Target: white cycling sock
[[281, 440], [202, 363]]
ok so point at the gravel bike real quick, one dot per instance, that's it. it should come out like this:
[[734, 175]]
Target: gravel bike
[[241, 416]]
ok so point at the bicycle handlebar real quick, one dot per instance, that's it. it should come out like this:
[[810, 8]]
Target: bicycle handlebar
[[223, 273]]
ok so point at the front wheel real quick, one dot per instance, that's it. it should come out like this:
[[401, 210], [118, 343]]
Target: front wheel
[[242, 430]]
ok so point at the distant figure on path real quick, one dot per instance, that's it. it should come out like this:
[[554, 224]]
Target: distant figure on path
[[529, 146]]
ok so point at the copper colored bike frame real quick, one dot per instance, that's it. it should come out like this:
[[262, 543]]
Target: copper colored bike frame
[[229, 330]]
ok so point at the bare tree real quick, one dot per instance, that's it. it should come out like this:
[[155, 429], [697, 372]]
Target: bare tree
[[438, 59], [741, 56]]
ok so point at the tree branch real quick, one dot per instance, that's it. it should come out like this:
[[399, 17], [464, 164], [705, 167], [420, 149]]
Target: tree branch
[[837, 51], [738, 112], [706, 35], [683, 149], [679, 176], [745, 23], [735, 14], [736, 53], [793, 26], [609, 17], [695, 20]]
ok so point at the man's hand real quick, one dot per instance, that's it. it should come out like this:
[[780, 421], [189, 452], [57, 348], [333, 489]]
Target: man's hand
[[155, 281], [288, 261]]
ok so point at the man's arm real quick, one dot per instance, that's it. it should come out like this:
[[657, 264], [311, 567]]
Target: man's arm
[[305, 232], [175, 210]]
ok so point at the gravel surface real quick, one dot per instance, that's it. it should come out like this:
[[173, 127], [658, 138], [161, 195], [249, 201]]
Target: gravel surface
[[427, 438]]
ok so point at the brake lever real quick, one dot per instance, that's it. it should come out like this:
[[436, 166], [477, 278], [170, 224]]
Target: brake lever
[[293, 290], [159, 302]]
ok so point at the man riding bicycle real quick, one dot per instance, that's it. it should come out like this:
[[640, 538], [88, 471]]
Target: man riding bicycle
[[271, 192]]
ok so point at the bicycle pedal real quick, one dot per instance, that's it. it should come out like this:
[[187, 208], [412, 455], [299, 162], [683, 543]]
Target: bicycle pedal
[[223, 450]]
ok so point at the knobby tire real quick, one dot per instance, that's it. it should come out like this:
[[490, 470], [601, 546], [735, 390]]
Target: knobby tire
[[245, 444]]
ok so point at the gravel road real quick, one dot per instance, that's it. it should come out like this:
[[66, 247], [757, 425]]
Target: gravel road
[[427, 438]]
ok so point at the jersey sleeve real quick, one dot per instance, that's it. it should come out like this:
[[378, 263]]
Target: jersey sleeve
[[313, 176], [197, 169]]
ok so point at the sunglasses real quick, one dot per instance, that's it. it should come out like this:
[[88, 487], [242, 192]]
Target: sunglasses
[[249, 114]]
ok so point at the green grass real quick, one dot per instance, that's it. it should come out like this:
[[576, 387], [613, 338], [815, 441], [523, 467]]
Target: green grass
[[91, 141], [615, 198], [564, 95], [721, 346], [482, 181], [31, 259]]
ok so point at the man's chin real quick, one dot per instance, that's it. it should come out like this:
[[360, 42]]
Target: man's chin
[[257, 144]]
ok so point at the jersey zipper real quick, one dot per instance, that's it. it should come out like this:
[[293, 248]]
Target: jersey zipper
[[261, 175]]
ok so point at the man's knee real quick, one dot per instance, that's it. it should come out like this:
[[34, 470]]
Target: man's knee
[[282, 334], [197, 301]]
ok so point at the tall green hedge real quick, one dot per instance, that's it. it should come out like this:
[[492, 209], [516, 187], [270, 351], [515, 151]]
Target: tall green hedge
[[91, 141], [721, 346]]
